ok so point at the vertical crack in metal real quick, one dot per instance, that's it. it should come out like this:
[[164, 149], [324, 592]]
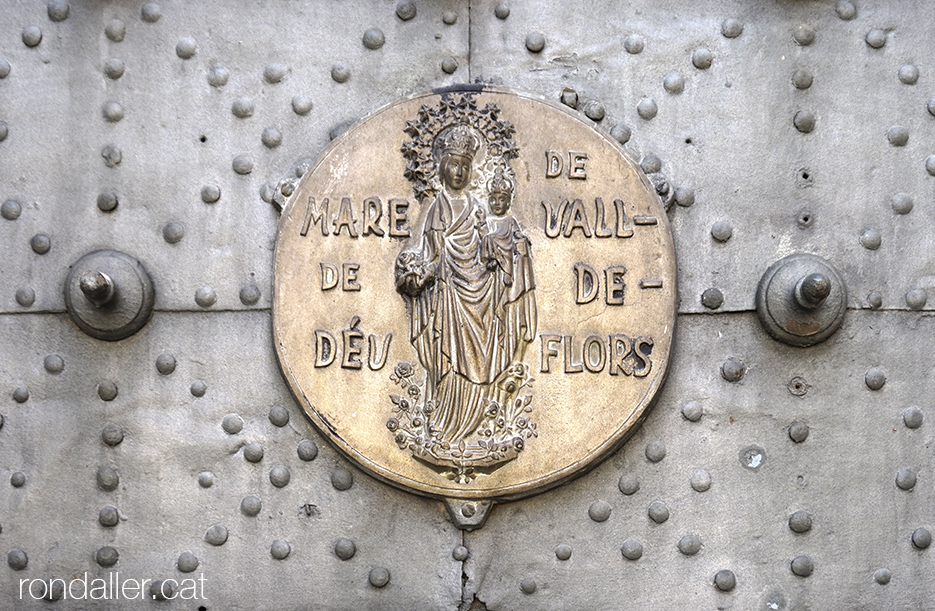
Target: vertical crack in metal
[[470, 44]]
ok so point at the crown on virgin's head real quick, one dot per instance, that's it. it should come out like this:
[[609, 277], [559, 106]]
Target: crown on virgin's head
[[501, 182], [460, 140]]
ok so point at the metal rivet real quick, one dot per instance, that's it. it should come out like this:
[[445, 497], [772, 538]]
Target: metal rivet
[[173, 232], [875, 378], [243, 107], [217, 534], [535, 42], [307, 450], [930, 164], [752, 457], [655, 451], [279, 415], [908, 74], [912, 417], [232, 424], [650, 163], [875, 300], [930, 106], [722, 230], [658, 512], [633, 44], [107, 390], [253, 452], [379, 576], [725, 581], [692, 411], [342, 479], [107, 201], [340, 73], [449, 65], [25, 296], [804, 121], [674, 83], [107, 556], [242, 164], [275, 72], [594, 110], [187, 562], [449, 17], [406, 10], [32, 35], [690, 544], [620, 133], [5, 68], [629, 484], [54, 364], [112, 111], [461, 554], [301, 105], [345, 549], [21, 394], [921, 538], [374, 38], [733, 369], [916, 299], [165, 363], [599, 511], [871, 239], [115, 30], [528, 586], [112, 435], [905, 479], [802, 79], [562, 551], [107, 478], [112, 155], [113, 68], [882, 576], [845, 10], [702, 58], [684, 196], [279, 476], [210, 193], [876, 38], [206, 479], [712, 298], [4, 131], [251, 505], [271, 137], [11, 209], [700, 480], [218, 75], [802, 566], [108, 516], [250, 294], [632, 549], [731, 28], [804, 35], [800, 522], [798, 432], [161, 589], [901, 203], [646, 108], [198, 388], [185, 48], [57, 10], [502, 11], [897, 135], [280, 549], [18, 479], [151, 12], [17, 559]]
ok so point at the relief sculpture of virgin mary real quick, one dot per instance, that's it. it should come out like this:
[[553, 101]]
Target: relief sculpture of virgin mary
[[469, 285]]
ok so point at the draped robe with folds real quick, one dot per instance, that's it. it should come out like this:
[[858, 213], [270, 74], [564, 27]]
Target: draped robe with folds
[[455, 325]]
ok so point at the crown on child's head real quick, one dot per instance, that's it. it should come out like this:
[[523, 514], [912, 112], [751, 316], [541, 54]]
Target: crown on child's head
[[501, 182]]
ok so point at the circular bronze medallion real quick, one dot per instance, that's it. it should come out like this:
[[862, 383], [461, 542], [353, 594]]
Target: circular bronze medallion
[[474, 294]]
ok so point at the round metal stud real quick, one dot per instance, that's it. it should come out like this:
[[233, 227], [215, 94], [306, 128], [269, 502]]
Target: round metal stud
[[882, 576], [632, 549], [280, 549], [629, 484], [307, 450], [345, 549], [379, 576], [921, 538], [342, 479], [690, 544], [187, 562], [250, 506], [599, 511], [535, 42], [528, 586], [217, 534], [109, 295], [562, 551], [374, 38], [912, 417], [801, 300], [802, 566], [725, 581], [107, 556]]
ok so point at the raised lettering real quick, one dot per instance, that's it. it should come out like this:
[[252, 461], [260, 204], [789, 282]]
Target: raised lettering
[[601, 230], [314, 215], [553, 164], [376, 358], [373, 214], [576, 161], [553, 219], [350, 277], [548, 351], [620, 346], [623, 228], [324, 348], [589, 352], [345, 218], [570, 365], [352, 350], [329, 276], [587, 283], [642, 349], [614, 284], [399, 218], [577, 218]]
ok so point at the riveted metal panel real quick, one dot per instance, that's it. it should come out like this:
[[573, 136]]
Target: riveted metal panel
[[783, 127]]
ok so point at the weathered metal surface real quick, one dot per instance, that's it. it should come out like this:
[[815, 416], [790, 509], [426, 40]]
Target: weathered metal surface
[[507, 326], [779, 127]]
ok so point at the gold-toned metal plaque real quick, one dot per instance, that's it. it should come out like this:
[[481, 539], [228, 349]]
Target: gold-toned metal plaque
[[474, 294]]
